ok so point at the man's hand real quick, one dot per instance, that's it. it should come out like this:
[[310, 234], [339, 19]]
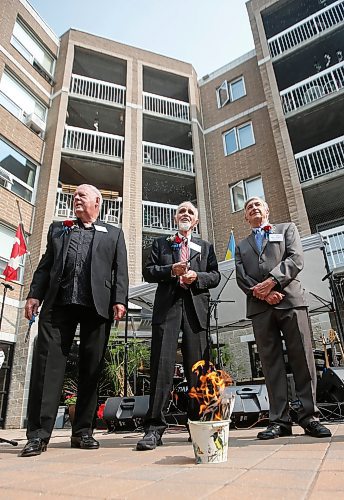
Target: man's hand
[[189, 277], [179, 268], [263, 289], [274, 298], [119, 311], [31, 307]]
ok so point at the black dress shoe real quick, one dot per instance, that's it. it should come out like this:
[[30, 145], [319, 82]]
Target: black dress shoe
[[275, 431], [150, 441], [84, 442], [315, 429], [33, 447]]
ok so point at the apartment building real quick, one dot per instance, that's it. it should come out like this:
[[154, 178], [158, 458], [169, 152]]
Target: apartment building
[[28, 52]]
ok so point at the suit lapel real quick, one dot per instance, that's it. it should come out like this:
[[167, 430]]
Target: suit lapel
[[98, 236], [66, 241], [195, 260], [252, 242], [265, 242]]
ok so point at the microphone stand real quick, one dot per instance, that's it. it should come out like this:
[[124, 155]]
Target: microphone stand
[[213, 309]]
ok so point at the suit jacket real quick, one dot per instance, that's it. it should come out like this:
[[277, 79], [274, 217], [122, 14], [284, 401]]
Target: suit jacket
[[281, 259], [109, 268], [158, 270]]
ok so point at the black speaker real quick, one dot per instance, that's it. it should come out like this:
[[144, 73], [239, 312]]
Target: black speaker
[[251, 404], [125, 413], [331, 386]]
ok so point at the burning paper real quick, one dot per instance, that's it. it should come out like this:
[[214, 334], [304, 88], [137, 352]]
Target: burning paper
[[214, 403]]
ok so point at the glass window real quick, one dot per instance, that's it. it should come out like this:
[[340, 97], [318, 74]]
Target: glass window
[[237, 89], [26, 43], [7, 236], [243, 190], [238, 138], [245, 134], [22, 172], [222, 94]]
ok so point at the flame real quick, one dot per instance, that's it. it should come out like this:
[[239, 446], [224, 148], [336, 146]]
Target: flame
[[209, 389]]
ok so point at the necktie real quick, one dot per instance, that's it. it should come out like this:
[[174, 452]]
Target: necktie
[[258, 235], [184, 255]]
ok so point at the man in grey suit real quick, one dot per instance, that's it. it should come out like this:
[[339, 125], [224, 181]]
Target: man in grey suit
[[268, 262], [82, 278]]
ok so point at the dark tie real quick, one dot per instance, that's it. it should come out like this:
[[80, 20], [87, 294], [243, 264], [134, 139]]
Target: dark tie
[[184, 255], [259, 236]]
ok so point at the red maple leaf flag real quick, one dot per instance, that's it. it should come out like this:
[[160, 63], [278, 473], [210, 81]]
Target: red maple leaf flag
[[18, 250]]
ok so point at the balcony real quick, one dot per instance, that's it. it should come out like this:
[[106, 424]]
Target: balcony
[[166, 157], [313, 89], [159, 217], [91, 143], [320, 160], [310, 27], [164, 106], [97, 90], [110, 211], [335, 246]]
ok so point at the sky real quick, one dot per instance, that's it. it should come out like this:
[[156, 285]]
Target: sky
[[206, 33]]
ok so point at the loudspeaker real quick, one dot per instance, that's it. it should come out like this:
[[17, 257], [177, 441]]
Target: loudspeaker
[[251, 404], [331, 386], [125, 413]]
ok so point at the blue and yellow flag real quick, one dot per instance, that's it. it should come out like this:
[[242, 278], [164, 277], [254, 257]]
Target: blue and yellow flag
[[231, 247]]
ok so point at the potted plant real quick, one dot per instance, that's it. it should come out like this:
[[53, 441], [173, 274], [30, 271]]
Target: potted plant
[[70, 402]]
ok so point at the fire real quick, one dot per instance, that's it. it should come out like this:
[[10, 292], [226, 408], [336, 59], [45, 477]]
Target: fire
[[209, 391]]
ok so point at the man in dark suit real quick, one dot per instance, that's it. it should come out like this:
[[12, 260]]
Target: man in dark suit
[[82, 279], [268, 262], [185, 268]]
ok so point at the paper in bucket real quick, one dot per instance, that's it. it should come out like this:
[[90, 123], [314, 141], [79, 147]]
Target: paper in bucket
[[210, 441]]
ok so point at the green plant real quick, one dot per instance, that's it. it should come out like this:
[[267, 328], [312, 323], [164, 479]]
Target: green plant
[[70, 400]]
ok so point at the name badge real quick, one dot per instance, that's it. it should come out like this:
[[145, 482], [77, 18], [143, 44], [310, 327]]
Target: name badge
[[275, 237], [102, 229], [195, 247]]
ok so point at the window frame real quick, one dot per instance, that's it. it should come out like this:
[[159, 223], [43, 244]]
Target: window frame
[[223, 86], [237, 138], [227, 86], [232, 82], [243, 183]]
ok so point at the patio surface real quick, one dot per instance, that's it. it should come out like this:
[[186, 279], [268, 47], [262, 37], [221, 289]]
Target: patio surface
[[296, 467]]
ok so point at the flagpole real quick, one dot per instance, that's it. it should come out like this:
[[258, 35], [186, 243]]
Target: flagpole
[[24, 236]]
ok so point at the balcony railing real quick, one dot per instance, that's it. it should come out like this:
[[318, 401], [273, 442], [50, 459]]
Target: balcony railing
[[110, 211], [89, 142], [158, 217], [307, 28], [99, 90], [320, 160], [314, 88], [164, 106], [167, 157], [335, 247]]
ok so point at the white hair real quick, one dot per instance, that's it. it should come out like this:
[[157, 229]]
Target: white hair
[[256, 198], [96, 191], [187, 203]]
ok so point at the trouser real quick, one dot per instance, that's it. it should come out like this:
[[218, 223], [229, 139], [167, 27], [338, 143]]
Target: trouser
[[294, 324], [56, 330], [180, 317]]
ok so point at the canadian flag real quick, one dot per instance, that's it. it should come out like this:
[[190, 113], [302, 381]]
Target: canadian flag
[[19, 248]]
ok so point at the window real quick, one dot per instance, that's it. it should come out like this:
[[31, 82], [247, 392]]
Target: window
[[19, 101], [230, 91], [7, 236], [243, 190], [16, 172], [238, 138], [30, 48]]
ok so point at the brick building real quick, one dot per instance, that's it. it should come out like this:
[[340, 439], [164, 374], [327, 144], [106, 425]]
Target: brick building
[[85, 109]]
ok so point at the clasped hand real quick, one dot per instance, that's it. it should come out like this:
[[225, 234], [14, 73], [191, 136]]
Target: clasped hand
[[264, 291], [182, 269]]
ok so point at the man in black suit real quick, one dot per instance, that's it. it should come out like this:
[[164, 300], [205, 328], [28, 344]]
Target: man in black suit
[[268, 262], [185, 268], [82, 279]]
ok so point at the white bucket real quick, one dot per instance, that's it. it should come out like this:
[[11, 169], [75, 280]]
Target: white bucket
[[210, 441]]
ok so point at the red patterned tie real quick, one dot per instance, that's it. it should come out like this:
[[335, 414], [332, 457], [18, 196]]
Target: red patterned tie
[[184, 255]]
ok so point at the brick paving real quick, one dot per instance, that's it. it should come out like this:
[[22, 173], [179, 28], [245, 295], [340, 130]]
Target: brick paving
[[296, 467]]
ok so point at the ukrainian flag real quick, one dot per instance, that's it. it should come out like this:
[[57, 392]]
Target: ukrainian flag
[[231, 247]]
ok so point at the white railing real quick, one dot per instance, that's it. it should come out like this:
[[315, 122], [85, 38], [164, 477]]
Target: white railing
[[335, 247], [314, 88], [98, 90], [90, 142], [168, 157], [165, 106], [307, 28], [320, 160], [110, 211], [159, 217]]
